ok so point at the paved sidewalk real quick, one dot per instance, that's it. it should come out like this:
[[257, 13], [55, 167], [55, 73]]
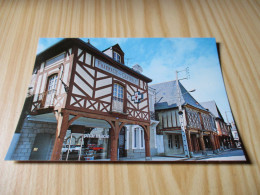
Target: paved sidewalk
[[154, 158], [226, 155]]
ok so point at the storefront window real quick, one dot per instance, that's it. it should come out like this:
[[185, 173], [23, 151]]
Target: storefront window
[[86, 146]]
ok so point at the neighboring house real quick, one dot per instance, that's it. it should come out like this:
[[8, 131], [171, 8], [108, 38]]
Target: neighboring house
[[78, 89], [235, 135], [199, 124], [223, 128]]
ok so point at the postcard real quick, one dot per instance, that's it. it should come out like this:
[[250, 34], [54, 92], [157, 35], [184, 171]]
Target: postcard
[[126, 100]]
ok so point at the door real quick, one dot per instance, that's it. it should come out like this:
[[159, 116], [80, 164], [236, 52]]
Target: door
[[173, 144], [121, 143], [41, 147]]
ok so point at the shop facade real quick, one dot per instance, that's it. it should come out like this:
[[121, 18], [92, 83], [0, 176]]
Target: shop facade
[[199, 125], [92, 99]]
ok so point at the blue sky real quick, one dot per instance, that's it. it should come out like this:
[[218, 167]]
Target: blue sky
[[161, 57]]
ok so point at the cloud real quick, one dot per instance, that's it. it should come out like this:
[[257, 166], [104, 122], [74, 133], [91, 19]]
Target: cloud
[[201, 57]]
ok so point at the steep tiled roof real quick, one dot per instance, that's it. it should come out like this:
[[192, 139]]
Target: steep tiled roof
[[213, 108], [167, 96]]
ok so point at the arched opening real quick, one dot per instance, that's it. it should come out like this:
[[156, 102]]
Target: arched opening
[[87, 139], [133, 143]]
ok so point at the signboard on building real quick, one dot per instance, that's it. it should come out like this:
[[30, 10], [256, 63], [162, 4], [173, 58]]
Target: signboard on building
[[110, 69], [96, 136]]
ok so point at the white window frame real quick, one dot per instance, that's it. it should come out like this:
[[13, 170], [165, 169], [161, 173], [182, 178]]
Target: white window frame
[[118, 97], [118, 56], [137, 137], [52, 82], [127, 137], [141, 138]]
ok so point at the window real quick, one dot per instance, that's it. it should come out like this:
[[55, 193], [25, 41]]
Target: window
[[170, 141], [138, 138], [52, 82], [177, 141], [135, 137], [116, 57], [142, 138], [118, 98], [55, 59], [51, 90]]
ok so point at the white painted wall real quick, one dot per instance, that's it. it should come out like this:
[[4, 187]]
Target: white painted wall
[[160, 145], [109, 52]]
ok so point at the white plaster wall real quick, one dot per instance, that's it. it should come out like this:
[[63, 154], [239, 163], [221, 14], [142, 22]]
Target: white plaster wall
[[43, 83], [103, 92], [142, 104], [83, 86], [103, 82], [84, 75], [109, 52], [99, 75], [160, 145], [88, 59], [37, 91]]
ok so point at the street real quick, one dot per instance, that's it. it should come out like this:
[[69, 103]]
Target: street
[[234, 155]]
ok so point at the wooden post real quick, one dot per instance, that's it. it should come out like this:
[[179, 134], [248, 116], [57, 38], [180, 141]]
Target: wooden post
[[217, 139], [114, 141], [202, 144], [189, 143], [147, 143], [212, 140], [60, 134], [217, 143], [194, 139]]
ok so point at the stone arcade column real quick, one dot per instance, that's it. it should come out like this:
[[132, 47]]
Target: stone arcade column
[[212, 140], [202, 144], [62, 126], [147, 143], [189, 143]]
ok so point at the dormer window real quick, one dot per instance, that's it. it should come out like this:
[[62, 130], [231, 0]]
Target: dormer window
[[116, 57]]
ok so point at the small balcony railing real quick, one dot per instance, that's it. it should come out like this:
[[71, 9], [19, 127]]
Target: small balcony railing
[[118, 105], [46, 98]]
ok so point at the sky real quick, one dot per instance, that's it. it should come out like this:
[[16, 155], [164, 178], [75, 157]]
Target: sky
[[160, 58]]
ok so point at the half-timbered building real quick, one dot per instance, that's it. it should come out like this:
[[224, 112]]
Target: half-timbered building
[[223, 129], [199, 124], [89, 93]]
